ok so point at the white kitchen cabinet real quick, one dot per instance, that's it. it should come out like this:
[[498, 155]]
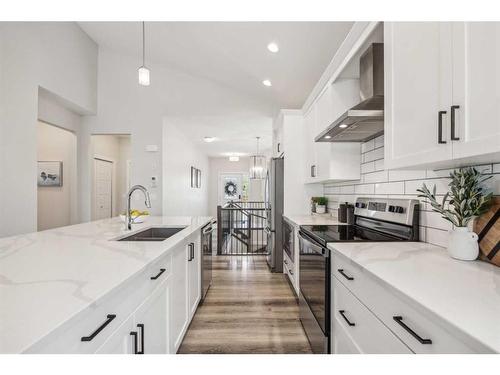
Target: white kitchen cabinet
[[441, 93], [309, 131], [179, 295], [151, 321], [418, 86], [194, 274], [278, 141], [120, 341], [476, 88]]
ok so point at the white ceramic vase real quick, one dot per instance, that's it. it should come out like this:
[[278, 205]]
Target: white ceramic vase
[[320, 209], [462, 244]]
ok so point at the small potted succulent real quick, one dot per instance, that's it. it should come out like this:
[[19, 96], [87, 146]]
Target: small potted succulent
[[465, 200], [321, 203]]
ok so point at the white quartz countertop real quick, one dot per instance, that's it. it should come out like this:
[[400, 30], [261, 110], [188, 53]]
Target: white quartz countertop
[[60, 272], [464, 294], [313, 220]]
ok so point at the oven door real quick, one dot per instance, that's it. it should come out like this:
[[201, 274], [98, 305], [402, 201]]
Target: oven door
[[315, 292]]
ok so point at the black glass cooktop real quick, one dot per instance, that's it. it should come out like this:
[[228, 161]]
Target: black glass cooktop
[[344, 233]]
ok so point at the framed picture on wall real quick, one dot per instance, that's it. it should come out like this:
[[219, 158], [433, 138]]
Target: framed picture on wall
[[49, 173]]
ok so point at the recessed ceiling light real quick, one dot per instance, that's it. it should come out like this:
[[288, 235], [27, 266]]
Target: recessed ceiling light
[[328, 136], [209, 139], [342, 126], [267, 83], [234, 158], [273, 47]]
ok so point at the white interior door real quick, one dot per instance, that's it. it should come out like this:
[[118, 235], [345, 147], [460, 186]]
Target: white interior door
[[103, 189]]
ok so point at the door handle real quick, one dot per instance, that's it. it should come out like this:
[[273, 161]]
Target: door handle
[[440, 127], [453, 135], [399, 320], [159, 274], [351, 324], [109, 318]]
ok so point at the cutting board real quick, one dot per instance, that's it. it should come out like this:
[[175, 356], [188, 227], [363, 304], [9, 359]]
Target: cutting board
[[487, 227]]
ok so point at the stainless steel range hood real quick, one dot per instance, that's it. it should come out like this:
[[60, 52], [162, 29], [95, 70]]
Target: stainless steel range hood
[[365, 120]]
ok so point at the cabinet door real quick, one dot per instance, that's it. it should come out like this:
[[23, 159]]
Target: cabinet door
[[308, 138], [476, 88], [151, 321], [120, 341], [418, 85], [194, 274], [178, 297], [324, 117]]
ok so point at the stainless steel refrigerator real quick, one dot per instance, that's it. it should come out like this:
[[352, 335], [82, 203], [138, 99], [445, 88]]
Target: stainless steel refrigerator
[[273, 197]]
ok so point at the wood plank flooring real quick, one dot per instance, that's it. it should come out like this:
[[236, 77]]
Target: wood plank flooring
[[248, 309]]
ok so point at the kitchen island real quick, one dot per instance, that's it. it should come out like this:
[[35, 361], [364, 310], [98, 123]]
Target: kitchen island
[[58, 287]]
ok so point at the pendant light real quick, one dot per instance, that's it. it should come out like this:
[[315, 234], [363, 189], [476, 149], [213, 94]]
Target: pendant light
[[143, 71], [257, 164]]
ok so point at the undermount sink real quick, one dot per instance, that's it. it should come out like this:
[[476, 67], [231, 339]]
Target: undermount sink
[[153, 234]]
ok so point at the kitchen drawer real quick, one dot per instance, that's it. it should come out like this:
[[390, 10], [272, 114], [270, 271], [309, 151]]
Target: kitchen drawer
[[412, 323], [121, 303], [342, 343], [367, 333], [289, 269]]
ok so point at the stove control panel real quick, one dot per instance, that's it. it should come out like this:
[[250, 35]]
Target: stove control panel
[[401, 211]]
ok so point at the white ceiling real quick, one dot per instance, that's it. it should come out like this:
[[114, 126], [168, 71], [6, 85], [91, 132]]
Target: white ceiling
[[235, 55]]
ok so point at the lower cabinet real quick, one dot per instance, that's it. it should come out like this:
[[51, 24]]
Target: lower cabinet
[[194, 274], [179, 305], [120, 341]]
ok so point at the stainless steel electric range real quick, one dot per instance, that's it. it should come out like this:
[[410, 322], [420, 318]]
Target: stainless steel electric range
[[375, 219]]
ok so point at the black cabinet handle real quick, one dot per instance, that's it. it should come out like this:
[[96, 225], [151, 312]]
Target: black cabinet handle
[[399, 320], [342, 312], [453, 135], [291, 272], [440, 127], [313, 171], [341, 271], [159, 274], [190, 253], [109, 318], [134, 335], [279, 144], [141, 327], [192, 250]]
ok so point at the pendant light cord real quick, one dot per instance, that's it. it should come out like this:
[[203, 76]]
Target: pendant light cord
[[143, 43]]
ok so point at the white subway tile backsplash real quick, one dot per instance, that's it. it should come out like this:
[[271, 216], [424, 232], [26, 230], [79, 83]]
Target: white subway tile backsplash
[[441, 185], [379, 165], [380, 183], [368, 167], [367, 146], [402, 175], [373, 155], [364, 189], [390, 188], [381, 176], [379, 141]]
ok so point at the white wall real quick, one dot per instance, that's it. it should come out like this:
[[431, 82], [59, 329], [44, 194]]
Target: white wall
[[56, 204], [179, 155], [62, 59], [114, 148]]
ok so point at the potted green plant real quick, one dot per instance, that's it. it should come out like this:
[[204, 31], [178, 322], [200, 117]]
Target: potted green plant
[[465, 200], [321, 203], [313, 204]]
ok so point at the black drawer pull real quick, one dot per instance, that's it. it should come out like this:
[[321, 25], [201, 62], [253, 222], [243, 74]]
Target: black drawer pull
[[141, 326], [159, 274], [399, 320], [109, 318], [453, 135], [134, 335], [440, 127], [341, 271], [342, 312]]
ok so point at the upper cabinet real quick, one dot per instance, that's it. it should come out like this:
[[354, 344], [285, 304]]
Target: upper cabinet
[[441, 93]]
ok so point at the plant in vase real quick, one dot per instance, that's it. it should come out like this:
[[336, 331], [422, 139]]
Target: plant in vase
[[465, 200], [314, 201], [321, 203]]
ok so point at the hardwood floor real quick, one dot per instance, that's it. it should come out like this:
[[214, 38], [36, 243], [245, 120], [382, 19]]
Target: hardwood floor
[[248, 309]]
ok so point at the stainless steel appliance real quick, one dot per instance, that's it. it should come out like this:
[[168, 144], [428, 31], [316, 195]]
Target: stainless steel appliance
[[365, 120], [207, 246], [273, 197], [374, 220], [288, 242]]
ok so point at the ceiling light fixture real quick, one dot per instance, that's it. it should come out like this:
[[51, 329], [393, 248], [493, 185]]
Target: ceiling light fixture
[[267, 83], [343, 126], [209, 139], [328, 136], [143, 71], [273, 47], [258, 164], [234, 158]]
